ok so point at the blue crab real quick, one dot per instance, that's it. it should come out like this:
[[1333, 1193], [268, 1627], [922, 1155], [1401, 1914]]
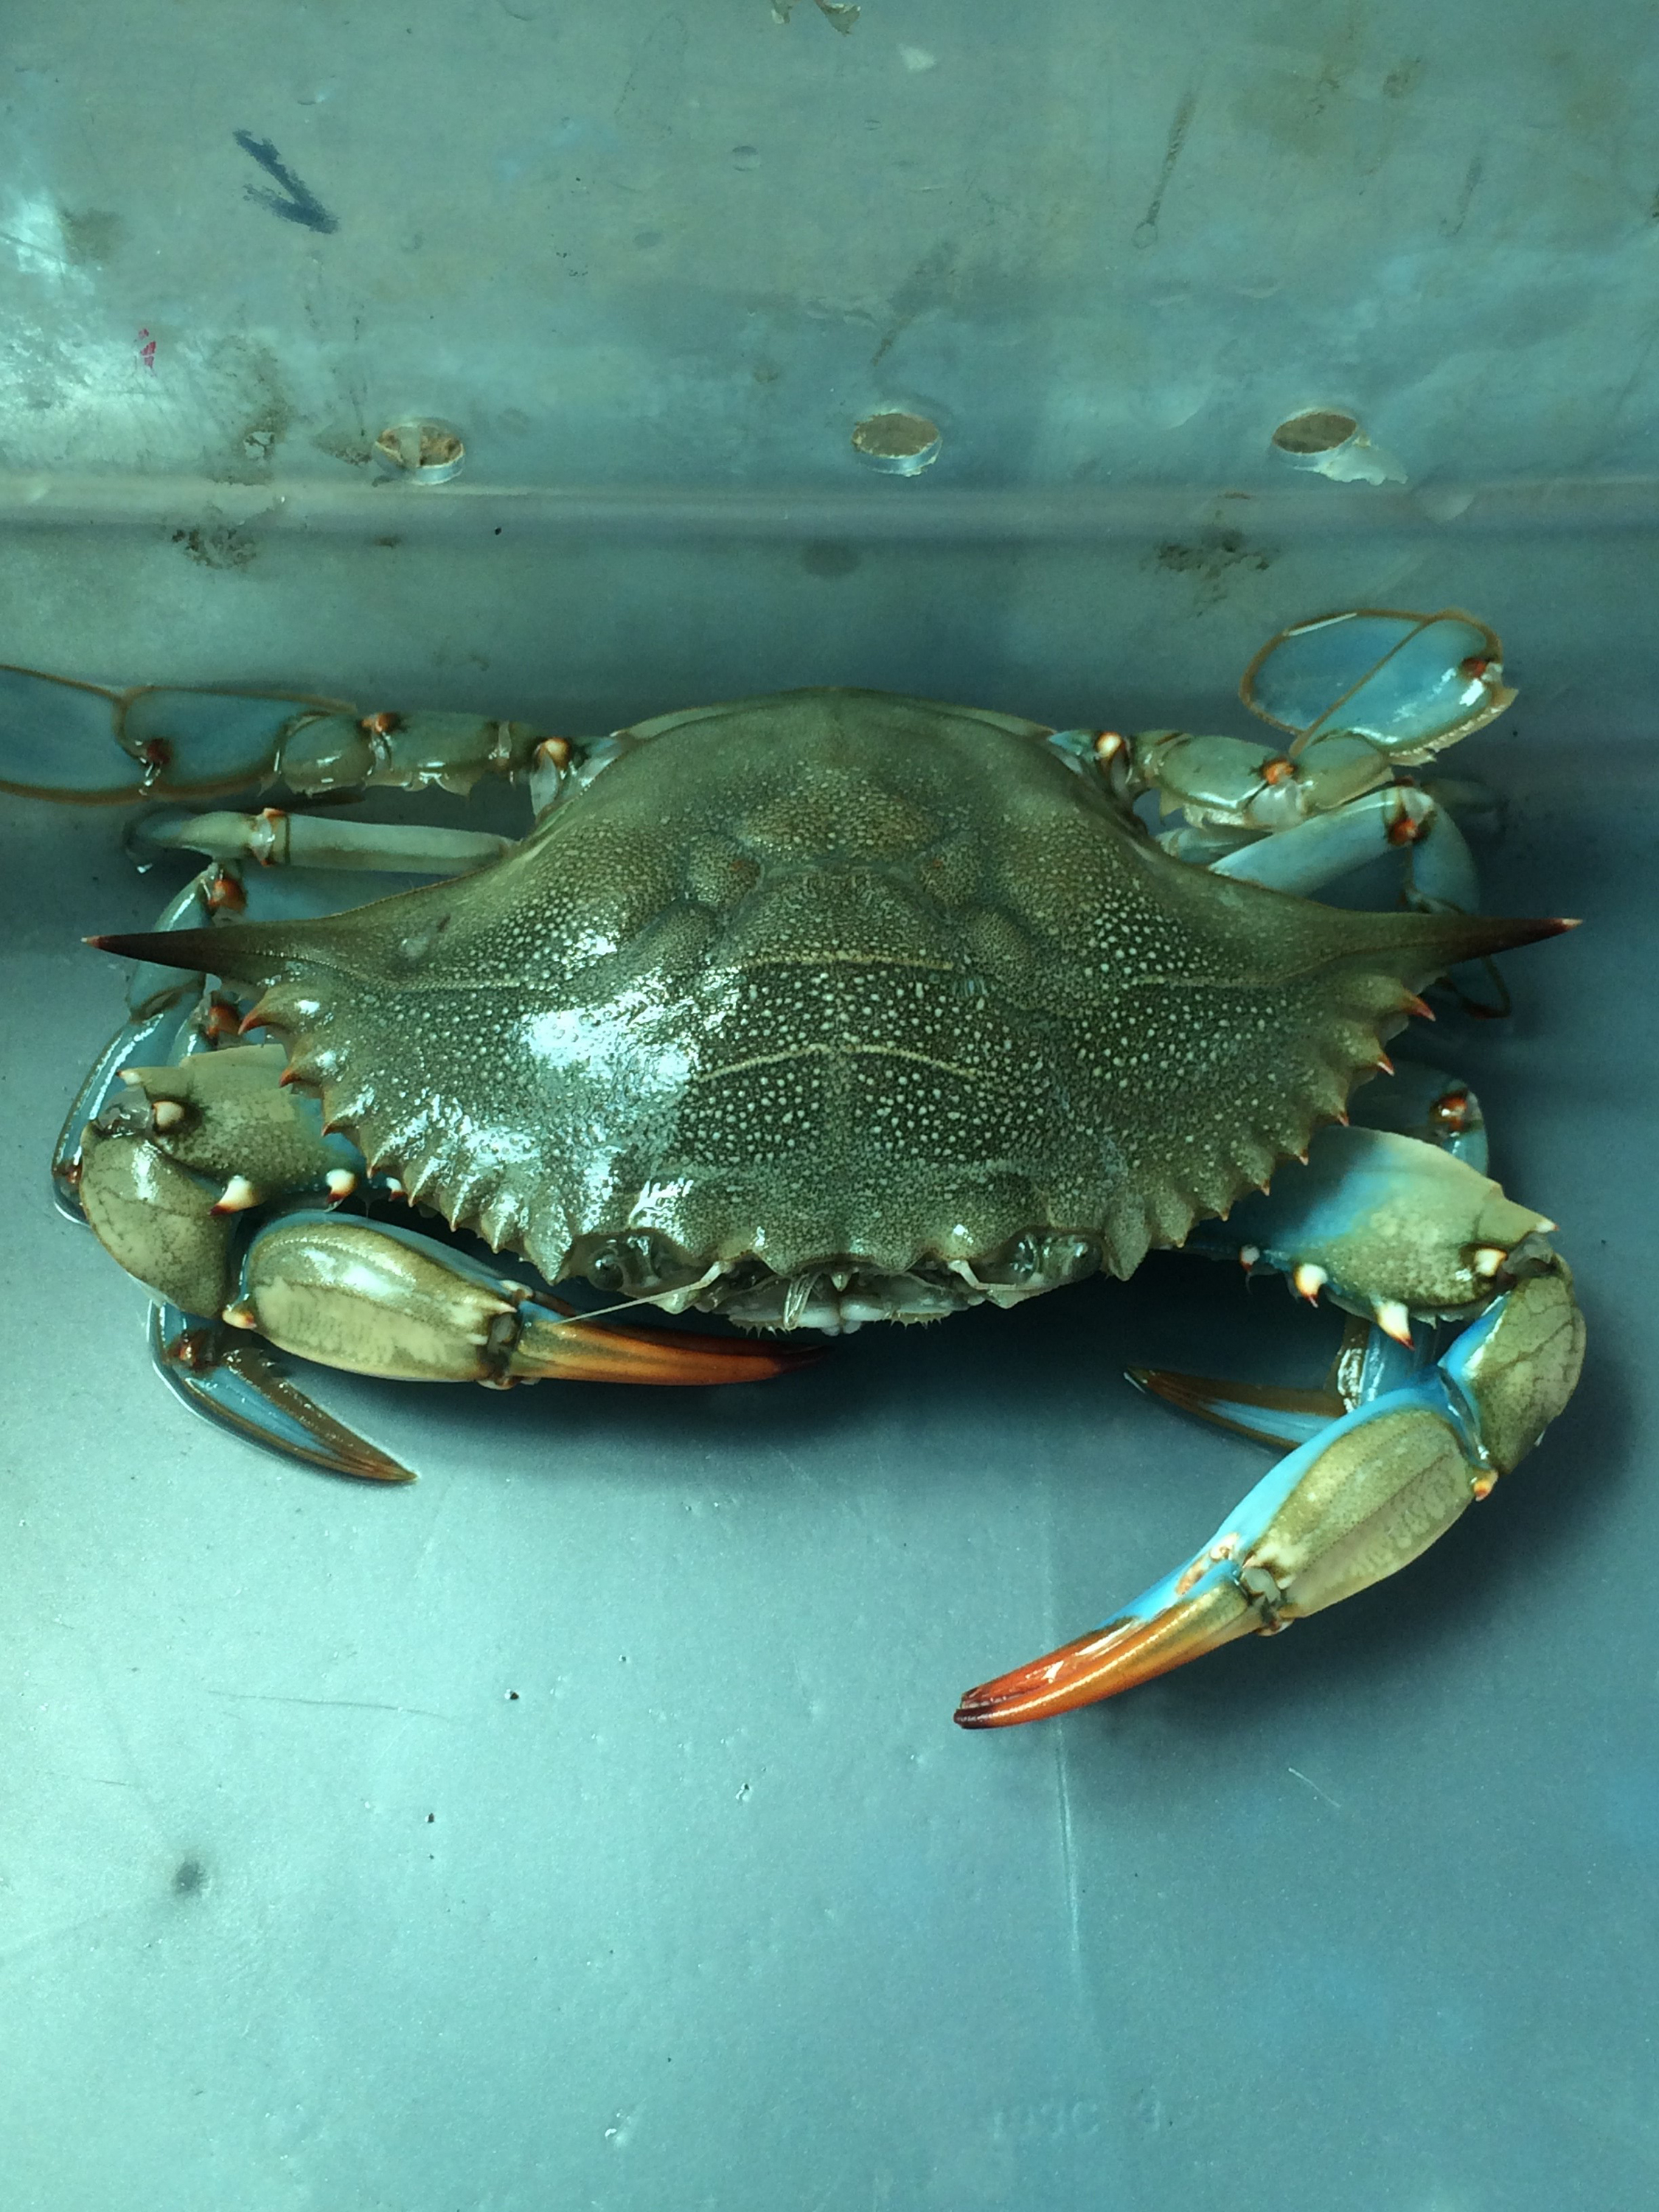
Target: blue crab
[[824, 1009]]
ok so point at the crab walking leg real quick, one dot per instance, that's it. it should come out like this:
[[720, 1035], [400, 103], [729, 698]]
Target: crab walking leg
[[1326, 847], [374, 1299], [1397, 1227], [276, 838], [1423, 1102], [73, 742], [1361, 1204], [1361, 694]]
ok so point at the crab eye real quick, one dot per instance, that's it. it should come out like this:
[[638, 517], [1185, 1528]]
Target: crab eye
[[1021, 1263], [636, 1264], [1041, 1260]]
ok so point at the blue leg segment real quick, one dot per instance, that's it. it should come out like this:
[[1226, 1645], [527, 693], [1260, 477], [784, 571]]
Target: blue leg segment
[[237, 1383]]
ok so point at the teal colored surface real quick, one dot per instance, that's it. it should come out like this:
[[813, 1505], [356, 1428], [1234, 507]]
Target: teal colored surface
[[719, 1901], [584, 1826]]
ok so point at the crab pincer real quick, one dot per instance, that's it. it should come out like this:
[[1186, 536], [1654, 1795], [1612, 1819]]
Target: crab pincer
[[1402, 1228], [382, 1300]]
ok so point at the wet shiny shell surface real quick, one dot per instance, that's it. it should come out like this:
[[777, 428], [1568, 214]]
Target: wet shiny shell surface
[[835, 974]]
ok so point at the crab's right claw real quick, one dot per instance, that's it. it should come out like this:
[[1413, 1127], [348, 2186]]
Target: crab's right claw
[[235, 1381], [1355, 1503], [1186, 1614]]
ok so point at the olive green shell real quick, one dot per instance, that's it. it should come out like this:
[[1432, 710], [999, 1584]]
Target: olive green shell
[[835, 976]]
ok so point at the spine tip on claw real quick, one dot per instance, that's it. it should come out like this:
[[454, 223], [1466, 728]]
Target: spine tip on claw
[[1487, 1258], [1394, 1320], [238, 1194], [341, 1182], [1309, 1281], [240, 1315]]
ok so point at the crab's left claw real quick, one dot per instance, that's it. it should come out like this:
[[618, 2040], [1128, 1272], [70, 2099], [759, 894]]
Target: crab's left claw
[[371, 1298], [232, 1382], [1355, 1503], [572, 1350], [377, 1299]]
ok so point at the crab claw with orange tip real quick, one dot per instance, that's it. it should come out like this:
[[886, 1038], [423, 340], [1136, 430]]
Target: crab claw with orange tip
[[571, 1350], [1353, 1504], [1181, 1618], [377, 1299]]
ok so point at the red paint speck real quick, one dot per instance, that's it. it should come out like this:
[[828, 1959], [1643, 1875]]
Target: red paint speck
[[147, 351]]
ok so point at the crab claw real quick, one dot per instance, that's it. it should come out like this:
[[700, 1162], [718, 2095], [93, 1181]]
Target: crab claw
[[377, 1299], [1355, 1503], [1192, 1611], [576, 1351]]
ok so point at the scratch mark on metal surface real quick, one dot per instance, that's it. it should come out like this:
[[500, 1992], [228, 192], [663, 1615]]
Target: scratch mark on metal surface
[[1472, 177], [26, 246], [1063, 1790], [115, 1715], [1146, 232], [22, 1945], [928, 285], [106, 1781], [1324, 1795], [441, 1500], [1068, 1852], [295, 203], [347, 1705]]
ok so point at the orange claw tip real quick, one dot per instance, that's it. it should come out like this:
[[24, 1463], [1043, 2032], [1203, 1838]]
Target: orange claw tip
[[1133, 1648], [593, 1352]]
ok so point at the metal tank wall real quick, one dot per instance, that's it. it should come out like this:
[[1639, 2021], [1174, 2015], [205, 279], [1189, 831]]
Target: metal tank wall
[[586, 1825]]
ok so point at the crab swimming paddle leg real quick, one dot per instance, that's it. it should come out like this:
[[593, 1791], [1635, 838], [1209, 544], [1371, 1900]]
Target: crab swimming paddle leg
[[1396, 1228]]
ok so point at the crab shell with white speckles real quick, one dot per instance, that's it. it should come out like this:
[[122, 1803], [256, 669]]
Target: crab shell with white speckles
[[835, 1006]]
